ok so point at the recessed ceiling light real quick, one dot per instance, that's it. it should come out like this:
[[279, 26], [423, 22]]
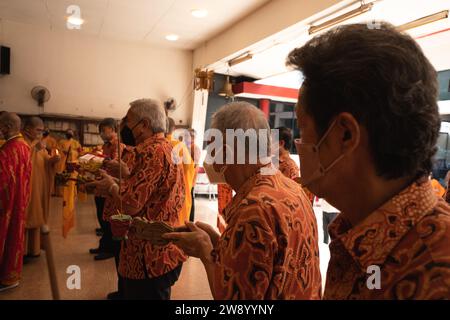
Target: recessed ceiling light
[[75, 21], [199, 13], [172, 37]]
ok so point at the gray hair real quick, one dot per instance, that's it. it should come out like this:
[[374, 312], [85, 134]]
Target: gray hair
[[151, 110], [242, 115]]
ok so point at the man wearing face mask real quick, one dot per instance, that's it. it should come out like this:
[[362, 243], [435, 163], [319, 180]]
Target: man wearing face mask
[[15, 173], [154, 190], [269, 249], [110, 150], [369, 119], [43, 166]]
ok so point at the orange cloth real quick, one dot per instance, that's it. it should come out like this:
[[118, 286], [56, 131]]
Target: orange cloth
[[224, 197], [440, 190], [188, 177], [155, 187], [408, 238], [69, 150], [269, 249], [286, 165]]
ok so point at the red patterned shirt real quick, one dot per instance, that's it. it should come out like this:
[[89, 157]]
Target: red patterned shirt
[[269, 249], [407, 238], [155, 186]]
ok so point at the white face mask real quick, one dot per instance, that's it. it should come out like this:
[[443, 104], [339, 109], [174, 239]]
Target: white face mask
[[310, 167], [215, 177]]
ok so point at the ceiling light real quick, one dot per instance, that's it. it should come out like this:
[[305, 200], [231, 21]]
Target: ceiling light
[[199, 13], [75, 21], [172, 37], [425, 20], [351, 14]]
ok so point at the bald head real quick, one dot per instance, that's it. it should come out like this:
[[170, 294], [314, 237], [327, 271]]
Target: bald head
[[33, 122], [9, 124], [33, 127]]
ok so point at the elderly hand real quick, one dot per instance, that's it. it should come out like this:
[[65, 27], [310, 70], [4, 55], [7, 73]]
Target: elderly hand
[[209, 229], [103, 185], [196, 243], [113, 167]]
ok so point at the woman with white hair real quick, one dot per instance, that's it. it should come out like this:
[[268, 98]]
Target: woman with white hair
[[269, 249]]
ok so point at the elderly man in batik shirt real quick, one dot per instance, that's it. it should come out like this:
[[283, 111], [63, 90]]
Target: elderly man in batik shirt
[[153, 189], [269, 248]]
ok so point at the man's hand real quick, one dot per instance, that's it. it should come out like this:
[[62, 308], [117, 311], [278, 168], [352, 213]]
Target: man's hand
[[196, 243], [209, 229], [103, 185], [113, 167]]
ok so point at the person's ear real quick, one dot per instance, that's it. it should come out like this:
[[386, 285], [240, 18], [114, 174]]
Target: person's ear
[[349, 132], [281, 143]]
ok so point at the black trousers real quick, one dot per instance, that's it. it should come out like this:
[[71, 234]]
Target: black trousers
[[106, 241], [116, 251], [158, 288], [327, 218], [192, 214]]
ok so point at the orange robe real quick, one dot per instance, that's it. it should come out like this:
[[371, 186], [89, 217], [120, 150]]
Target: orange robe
[[15, 173], [38, 208], [189, 176], [69, 151]]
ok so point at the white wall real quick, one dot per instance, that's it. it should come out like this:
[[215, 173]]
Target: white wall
[[90, 76]]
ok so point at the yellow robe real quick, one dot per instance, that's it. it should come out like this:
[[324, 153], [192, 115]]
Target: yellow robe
[[69, 150], [189, 176], [37, 212]]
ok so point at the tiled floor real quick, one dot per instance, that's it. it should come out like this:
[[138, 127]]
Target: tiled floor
[[98, 278]]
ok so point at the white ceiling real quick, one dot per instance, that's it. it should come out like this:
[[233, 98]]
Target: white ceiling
[[268, 62], [135, 20]]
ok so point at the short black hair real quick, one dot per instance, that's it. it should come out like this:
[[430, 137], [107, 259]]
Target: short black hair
[[381, 77], [285, 134], [108, 123]]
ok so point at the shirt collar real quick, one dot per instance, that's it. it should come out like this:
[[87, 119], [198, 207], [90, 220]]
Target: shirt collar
[[386, 226], [15, 137], [240, 195]]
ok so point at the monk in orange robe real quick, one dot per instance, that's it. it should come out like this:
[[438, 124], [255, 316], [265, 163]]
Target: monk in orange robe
[[70, 150], [15, 172], [42, 173], [51, 145]]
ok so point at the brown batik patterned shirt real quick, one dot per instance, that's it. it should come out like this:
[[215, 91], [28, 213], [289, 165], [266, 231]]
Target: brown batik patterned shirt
[[269, 249], [287, 166], [156, 187], [407, 238]]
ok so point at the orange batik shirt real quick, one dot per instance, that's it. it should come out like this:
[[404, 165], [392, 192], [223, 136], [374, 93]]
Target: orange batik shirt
[[156, 187], [407, 238], [287, 166], [269, 249]]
